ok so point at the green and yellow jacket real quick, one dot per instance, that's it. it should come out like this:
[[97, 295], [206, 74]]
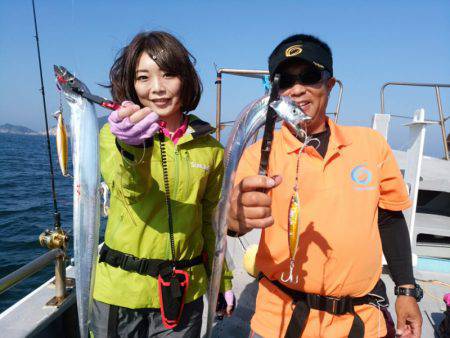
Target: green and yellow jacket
[[138, 222]]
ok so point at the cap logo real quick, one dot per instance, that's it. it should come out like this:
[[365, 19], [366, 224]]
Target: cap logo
[[318, 65], [293, 50]]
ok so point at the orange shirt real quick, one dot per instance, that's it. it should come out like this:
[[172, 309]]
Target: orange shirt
[[339, 252]]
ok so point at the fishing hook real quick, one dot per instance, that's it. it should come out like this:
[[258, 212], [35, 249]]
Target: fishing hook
[[291, 278]]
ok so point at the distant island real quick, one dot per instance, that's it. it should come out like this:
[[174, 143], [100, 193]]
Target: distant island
[[21, 130], [13, 129]]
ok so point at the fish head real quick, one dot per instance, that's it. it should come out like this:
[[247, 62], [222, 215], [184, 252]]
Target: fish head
[[72, 87], [292, 114]]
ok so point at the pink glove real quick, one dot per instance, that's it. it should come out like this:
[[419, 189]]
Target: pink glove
[[231, 301], [133, 133], [447, 299], [226, 303]]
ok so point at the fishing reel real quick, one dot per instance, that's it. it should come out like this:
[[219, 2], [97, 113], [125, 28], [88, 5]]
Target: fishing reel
[[54, 239]]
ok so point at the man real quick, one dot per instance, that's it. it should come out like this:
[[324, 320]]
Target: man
[[351, 194]]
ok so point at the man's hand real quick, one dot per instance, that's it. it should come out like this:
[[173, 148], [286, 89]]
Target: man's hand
[[409, 318], [251, 205]]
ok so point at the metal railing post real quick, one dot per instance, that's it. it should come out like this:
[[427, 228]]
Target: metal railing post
[[338, 105], [442, 121], [218, 103], [436, 87], [60, 278]]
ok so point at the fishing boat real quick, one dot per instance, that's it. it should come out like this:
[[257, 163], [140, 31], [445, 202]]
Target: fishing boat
[[50, 310]]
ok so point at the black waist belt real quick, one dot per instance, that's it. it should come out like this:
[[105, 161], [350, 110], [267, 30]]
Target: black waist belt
[[304, 302], [144, 266]]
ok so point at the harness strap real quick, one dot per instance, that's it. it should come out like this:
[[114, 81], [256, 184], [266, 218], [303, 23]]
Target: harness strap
[[297, 323], [304, 302], [144, 266]]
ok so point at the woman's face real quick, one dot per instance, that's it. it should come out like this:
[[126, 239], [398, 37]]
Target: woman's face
[[157, 89]]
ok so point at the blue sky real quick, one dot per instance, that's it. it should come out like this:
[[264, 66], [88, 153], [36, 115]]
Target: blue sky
[[372, 41]]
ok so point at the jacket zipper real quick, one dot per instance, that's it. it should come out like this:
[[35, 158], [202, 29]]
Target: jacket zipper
[[176, 174]]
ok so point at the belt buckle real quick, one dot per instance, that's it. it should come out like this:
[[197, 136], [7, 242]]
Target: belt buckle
[[126, 259], [334, 304]]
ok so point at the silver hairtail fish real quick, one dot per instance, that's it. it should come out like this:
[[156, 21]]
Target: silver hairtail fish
[[250, 120], [86, 196], [61, 143]]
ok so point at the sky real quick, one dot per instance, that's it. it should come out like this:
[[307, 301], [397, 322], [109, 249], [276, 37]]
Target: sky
[[373, 42]]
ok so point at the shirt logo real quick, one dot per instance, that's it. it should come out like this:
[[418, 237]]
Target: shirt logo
[[362, 176], [293, 50], [200, 166]]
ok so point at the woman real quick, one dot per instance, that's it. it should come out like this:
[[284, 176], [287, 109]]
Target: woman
[[164, 171]]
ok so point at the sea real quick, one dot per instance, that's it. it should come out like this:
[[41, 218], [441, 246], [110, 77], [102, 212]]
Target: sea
[[26, 208]]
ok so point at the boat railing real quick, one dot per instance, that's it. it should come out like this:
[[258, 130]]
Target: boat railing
[[258, 74], [442, 118], [17, 276], [56, 239]]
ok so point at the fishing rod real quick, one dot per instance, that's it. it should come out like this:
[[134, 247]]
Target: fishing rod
[[57, 216], [56, 238]]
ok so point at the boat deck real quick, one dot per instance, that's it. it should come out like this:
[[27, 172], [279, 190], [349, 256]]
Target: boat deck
[[31, 317], [35, 317]]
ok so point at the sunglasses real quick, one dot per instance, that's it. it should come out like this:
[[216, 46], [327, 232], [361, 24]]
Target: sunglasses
[[309, 76]]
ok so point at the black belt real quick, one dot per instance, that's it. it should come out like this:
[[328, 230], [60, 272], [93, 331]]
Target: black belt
[[304, 302], [144, 266]]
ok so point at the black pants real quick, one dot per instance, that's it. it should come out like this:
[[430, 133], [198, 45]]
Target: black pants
[[110, 321]]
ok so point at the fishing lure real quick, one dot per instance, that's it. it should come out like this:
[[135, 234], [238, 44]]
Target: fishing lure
[[62, 146], [291, 114], [294, 212], [293, 229]]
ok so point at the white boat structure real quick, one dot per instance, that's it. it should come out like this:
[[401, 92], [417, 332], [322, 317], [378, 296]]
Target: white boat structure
[[50, 310]]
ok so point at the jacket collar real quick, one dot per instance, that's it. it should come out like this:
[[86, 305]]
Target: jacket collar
[[196, 128]]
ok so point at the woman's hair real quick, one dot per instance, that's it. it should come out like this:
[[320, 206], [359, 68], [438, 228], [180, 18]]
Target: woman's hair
[[169, 54]]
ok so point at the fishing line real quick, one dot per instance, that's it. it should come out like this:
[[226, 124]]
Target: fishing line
[[434, 281], [72, 46], [242, 244], [132, 164]]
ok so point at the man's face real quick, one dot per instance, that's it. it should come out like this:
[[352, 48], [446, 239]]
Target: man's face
[[311, 98]]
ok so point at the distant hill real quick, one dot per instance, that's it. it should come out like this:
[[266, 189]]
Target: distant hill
[[21, 130], [13, 129]]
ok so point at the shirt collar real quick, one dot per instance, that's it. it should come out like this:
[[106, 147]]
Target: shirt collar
[[177, 134], [293, 144]]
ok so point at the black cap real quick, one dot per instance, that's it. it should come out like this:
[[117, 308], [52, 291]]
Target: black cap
[[310, 51]]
